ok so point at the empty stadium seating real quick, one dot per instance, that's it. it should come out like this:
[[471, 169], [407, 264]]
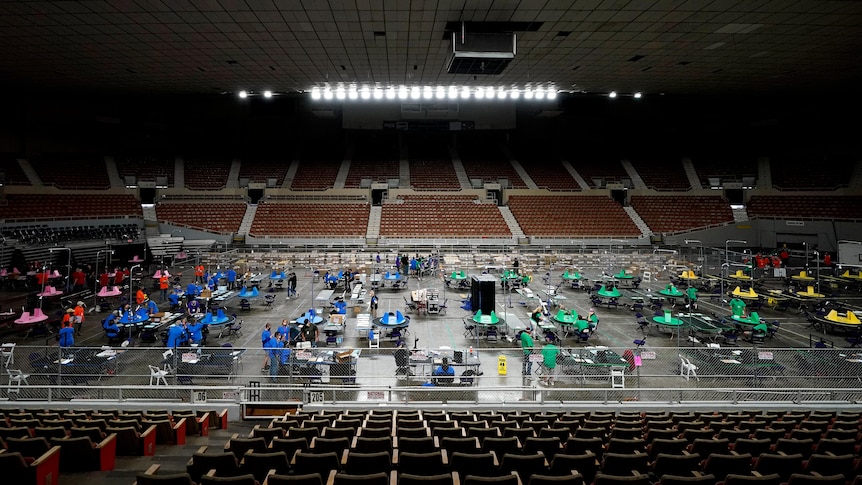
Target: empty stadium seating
[[262, 169], [72, 171], [806, 206], [13, 173], [571, 216], [221, 217], [146, 167], [301, 219], [69, 206], [662, 172], [442, 216], [670, 213]]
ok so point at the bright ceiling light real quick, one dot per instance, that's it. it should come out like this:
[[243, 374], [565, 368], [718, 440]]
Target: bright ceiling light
[[365, 93], [441, 92], [378, 93], [327, 93], [501, 93], [402, 92], [479, 93], [540, 93], [465, 92], [638, 95], [352, 93], [267, 94], [528, 93], [414, 92], [427, 92], [612, 94], [315, 93], [552, 94], [452, 93], [390, 93], [243, 94], [340, 93], [514, 94]]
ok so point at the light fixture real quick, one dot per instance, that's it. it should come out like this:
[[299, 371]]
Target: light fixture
[[365, 93], [465, 92], [638, 95], [612, 94], [243, 94], [327, 93], [441, 92], [378, 93], [352, 93], [540, 93], [402, 92], [267, 94], [427, 92], [315, 93], [552, 94], [452, 93], [390, 93], [528, 93], [340, 94], [514, 94], [501, 93], [414, 92], [479, 93]]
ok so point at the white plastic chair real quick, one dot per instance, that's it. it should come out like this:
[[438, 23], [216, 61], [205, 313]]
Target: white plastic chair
[[7, 354], [157, 375], [374, 339], [687, 369], [17, 378]]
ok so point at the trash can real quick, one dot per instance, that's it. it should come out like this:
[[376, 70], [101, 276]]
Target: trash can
[[501, 365]]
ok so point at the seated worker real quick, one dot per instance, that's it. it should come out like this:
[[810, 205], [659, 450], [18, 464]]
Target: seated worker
[[195, 330], [174, 299], [583, 328], [178, 334], [593, 320], [193, 306], [339, 307], [536, 314], [443, 374], [152, 307], [112, 331]]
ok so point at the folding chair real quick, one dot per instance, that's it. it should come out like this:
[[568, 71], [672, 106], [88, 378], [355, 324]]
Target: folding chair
[[687, 369]]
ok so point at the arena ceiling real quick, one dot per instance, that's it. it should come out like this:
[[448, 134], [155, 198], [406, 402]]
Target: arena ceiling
[[595, 46]]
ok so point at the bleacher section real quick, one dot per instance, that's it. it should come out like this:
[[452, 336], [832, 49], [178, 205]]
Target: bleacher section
[[484, 160], [318, 167], [571, 216], [431, 166], [809, 172], [72, 171], [661, 172], [671, 213], [724, 167], [379, 171], [146, 168], [302, 219], [29, 207], [543, 165], [442, 216], [374, 158], [42, 234], [206, 173], [820, 207], [14, 174], [598, 169], [215, 216], [261, 169]]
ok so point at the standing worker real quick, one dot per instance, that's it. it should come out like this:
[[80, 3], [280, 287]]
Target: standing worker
[[527, 347]]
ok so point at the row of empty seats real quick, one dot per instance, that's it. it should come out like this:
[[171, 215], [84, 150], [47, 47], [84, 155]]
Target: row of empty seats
[[206, 173], [309, 219], [223, 217], [69, 206], [262, 169], [72, 171], [146, 167], [12, 171], [315, 174], [563, 216], [806, 206], [664, 173], [456, 217], [671, 213], [42, 234]]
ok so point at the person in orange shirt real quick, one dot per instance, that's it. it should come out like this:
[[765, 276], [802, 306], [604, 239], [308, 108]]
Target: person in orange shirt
[[140, 296], [78, 317], [163, 286], [199, 273]]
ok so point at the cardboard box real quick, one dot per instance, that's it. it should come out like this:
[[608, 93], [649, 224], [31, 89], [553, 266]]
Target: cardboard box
[[343, 357]]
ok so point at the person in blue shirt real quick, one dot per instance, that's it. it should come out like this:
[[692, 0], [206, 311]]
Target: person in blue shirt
[[231, 279], [192, 290], [67, 336], [174, 300], [178, 334], [152, 308], [443, 373], [339, 307], [112, 331], [193, 306], [274, 349], [196, 332], [265, 337]]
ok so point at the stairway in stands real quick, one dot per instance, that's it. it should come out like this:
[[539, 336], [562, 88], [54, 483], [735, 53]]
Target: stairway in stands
[[691, 173], [158, 244], [637, 181], [740, 215], [247, 219], [30, 172], [636, 218], [463, 179], [372, 233], [233, 175], [113, 173], [514, 227]]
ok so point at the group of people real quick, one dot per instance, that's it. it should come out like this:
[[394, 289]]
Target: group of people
[[549, 353], [277, 345]]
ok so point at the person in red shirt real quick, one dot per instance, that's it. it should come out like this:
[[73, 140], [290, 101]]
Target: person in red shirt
[[104, 279], [79, 280], [827, 259], [78, 317], [119, 276], [199, 273]]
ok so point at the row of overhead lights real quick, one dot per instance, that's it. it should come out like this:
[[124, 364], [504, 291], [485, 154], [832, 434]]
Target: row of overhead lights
[[244, 94], [430, 92], [613, 94]]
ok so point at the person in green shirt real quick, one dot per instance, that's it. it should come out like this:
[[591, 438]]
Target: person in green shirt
[[527, 347], [691, 294], [737, 307], [583, 328], [549, 361]]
